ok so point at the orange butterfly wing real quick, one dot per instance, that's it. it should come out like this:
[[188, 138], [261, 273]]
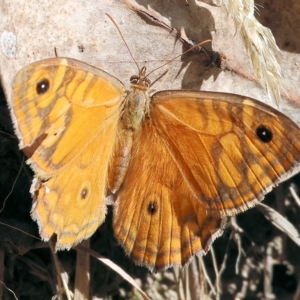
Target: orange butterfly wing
[[198, 158], [76, 118]]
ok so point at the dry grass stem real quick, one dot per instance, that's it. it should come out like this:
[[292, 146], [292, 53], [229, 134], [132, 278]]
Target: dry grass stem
[[261, 45]]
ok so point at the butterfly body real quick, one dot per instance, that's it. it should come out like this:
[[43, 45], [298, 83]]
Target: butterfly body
[[178, 162], [136, 105]]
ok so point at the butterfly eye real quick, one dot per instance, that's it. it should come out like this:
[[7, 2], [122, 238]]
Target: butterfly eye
[[134, 79], [264, 133], [142, 80], [42, 86], [147, 82], [152, 208]]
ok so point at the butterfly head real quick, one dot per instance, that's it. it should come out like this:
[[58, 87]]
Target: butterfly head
[[140, 81]]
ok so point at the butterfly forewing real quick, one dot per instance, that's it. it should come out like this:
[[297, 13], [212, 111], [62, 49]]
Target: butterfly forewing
[[77, 97], [224, 156]]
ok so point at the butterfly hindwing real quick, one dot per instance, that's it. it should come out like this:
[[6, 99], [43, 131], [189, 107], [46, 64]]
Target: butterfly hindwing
[[157, 218]]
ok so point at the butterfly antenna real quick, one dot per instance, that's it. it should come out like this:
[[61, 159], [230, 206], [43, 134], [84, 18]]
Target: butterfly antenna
[[190, 49], [123, 39]]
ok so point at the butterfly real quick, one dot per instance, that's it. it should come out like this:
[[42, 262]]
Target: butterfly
[[178, 162]]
